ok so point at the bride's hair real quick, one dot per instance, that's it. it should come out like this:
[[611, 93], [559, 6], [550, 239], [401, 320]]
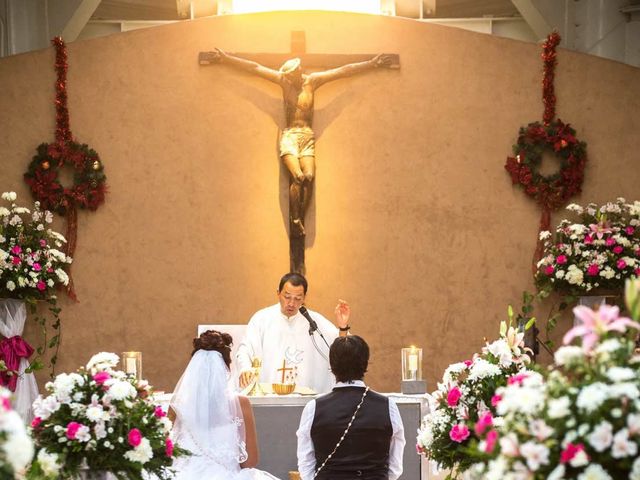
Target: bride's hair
[[214, 340]]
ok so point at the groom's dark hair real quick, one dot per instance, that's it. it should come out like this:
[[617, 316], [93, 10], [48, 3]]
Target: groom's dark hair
[[349, 358], [214, 340]]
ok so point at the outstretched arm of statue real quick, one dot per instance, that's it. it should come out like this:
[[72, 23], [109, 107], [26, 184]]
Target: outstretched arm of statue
[[379, 61], [219, 56]]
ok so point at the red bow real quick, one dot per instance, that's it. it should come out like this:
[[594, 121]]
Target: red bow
[[11, 351]]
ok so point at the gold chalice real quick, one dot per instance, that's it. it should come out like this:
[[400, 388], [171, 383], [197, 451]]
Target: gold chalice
[[283, 388]]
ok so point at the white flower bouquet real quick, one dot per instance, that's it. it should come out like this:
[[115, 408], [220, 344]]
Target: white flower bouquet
[[100, 418], [16, 446], [597, 252], [581, 420], [31, 260], [462, 412]]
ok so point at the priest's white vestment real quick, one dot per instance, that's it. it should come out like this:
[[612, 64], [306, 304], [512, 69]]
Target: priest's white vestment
[[273, 338]]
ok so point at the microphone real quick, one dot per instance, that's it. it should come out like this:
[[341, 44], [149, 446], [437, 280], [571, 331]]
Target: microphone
[[313, 326]]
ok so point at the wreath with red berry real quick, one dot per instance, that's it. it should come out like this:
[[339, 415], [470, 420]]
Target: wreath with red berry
[[550, 191], [89, 181]]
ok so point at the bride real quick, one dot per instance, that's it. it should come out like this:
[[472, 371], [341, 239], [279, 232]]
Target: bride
[[211, 420]]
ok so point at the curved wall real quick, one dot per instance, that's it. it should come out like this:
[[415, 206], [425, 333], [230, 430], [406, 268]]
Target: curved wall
[[414, 219]]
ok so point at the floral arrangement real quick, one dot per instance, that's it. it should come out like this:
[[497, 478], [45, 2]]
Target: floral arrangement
[[599, 251], [31, 264], [533, 140], [16, 446], [581, 420], [101, 419], [463, 408]]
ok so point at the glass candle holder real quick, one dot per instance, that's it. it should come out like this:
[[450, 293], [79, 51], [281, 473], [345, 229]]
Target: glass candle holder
[[132, 364], [411, 363]]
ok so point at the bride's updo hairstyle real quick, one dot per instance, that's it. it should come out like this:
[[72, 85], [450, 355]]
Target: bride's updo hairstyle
[[214, 340]]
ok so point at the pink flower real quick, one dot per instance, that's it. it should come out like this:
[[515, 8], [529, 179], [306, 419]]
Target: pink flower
[[37, 267], [16, 250], [468, 363], [72, 430], [594, 324], [549, 269], [459, 433], [168, 447], [101, 377], [453, 396], [495, 400], [41, 285], [43, 242], [638, 252], [484, 422], [609, 241], [618, 249], [6, 403], [588, 240], [158, 412], [517, 378], [561, 259], [621, 264], [637, 272], [35, 422], [600, 229], [629, 230], [593, 269], [49, 270], [491, 440], [15, 260], [135, 437], [570, 451]]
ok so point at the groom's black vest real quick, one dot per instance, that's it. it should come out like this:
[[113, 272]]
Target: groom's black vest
[[364, 452]]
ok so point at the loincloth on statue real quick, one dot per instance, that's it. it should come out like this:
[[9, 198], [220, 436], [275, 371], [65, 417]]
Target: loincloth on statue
[[298, 141]]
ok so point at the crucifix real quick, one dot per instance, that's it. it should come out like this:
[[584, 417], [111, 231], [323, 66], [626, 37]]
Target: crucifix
[[284, 369], [297, 140]]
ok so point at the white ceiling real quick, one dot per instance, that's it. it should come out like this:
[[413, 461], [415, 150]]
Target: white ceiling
[[167, 9]]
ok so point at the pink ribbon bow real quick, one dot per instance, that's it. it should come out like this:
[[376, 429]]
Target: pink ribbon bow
[[11, 351]]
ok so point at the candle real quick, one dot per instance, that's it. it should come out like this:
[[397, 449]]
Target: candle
[[130, 365], [413, 362]]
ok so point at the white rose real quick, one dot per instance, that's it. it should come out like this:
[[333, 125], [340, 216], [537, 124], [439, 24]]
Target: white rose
[[9, 196], [594, 472], [11, 286], [48, 463], [102, 361], [44, 407], [568, 354], [141, 454], [119, 390]]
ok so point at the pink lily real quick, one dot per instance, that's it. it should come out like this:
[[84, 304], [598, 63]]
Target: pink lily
[[600, 229], [594, 324]]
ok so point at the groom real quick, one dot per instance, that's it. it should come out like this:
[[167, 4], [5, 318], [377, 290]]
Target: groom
[[365, 425]]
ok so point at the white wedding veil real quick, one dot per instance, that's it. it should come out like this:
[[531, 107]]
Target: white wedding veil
[[209, 419]]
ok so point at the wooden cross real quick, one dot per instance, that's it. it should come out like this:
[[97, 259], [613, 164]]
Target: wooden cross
[[284, 369], [299, 50], [318, 61]]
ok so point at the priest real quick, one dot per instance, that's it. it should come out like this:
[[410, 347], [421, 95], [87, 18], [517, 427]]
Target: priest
[[291, 341]]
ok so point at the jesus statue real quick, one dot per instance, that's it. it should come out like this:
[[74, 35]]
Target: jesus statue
[[297, 141]]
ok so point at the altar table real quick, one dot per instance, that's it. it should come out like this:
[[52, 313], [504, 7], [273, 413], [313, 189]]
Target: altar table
[[277, 420]]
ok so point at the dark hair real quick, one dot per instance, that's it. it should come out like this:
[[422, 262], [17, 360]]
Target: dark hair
[[349, 358], [295, 279], [214, 340]]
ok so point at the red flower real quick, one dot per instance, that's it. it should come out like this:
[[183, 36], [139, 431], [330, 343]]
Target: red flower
[[135, 437]]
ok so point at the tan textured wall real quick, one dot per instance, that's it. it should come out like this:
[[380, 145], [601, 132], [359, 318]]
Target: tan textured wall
[[415, 221]]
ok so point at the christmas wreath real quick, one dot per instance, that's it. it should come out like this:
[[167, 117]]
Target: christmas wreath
[[550, 191], [89, 181]]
